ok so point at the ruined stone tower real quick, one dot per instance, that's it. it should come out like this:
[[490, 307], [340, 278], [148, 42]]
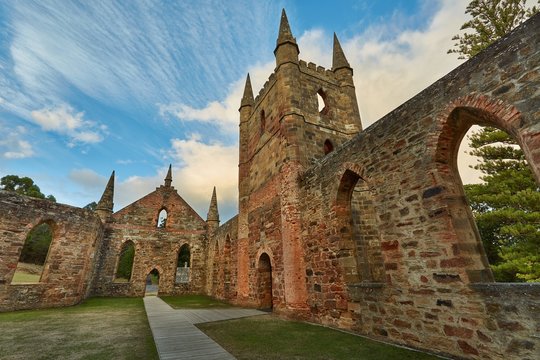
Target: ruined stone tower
[[302, 112]]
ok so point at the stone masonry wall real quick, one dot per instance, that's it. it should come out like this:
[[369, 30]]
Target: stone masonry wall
[[70, 261], [436, 292], [155, 248], [222, 267]]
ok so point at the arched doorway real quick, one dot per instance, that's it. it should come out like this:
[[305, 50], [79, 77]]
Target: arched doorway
[[152, 283], [264, 282]]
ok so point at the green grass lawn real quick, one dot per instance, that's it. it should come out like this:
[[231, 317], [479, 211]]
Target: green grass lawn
[[194, 302], [267, 337], [99, 328], [23, 278]]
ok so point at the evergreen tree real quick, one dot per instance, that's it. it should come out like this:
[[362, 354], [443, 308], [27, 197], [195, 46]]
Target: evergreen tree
[[24, 186], [491, 20], [507, 205]]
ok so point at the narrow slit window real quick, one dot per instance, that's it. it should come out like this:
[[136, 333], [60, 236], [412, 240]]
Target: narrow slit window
[[162, 219]]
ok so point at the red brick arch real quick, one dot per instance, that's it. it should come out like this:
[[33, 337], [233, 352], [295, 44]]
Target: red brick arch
[[452, 123]]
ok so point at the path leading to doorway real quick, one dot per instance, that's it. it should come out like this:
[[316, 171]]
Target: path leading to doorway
[[177, 337]]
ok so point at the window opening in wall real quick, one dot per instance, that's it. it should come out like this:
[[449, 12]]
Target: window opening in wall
[[262, 122], [125, 262], [162, 219], [360, 253], [33, 255], [152, 283], [505, 202], [183, 264], [328, 147], [321, 101]]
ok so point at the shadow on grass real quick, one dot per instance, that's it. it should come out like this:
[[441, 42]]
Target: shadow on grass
[[194, 302], [99, 328], [267, 337]]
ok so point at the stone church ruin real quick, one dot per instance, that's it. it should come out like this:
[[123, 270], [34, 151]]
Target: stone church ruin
[[366, 230]]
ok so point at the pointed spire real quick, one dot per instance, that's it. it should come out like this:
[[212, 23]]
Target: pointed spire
[[247, 99], [285, 34], [105, 205], [287, 53], [213, 213], [338, 59], [168, 178]]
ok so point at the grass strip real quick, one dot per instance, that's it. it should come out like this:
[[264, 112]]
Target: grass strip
[[194, 302], [99, 328], [268, 337]]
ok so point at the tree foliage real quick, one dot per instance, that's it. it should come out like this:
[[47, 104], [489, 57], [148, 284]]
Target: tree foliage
[[24, 186], [125, 262], [506, 205], [36, 245], [491, 20], [92, 206]]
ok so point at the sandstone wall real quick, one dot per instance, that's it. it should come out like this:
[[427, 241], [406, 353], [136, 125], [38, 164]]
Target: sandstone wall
[[431, 295], [70, 262], [155, 248]]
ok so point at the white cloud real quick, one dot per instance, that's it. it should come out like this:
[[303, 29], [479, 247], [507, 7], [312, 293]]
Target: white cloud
[[204, 166], [388, 70], [64, 120], [199, 167], [223, 114], [14, 146], [88, 179]]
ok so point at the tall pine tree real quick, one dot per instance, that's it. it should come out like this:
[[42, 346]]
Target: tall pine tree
[[506, 205]]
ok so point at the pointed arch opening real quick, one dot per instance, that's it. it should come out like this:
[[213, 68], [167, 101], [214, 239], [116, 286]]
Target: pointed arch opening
[[152, 283], [359, 250], [322, 102], [162, 218], [496, 219], [264, 282], [328, 147], [34, 255], [183, 265], [124, 267]]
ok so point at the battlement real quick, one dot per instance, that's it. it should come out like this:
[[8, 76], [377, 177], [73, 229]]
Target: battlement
[[316, 70], [267, 85]]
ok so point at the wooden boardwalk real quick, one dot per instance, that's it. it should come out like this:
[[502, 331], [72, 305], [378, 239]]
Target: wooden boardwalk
[[177, 337]]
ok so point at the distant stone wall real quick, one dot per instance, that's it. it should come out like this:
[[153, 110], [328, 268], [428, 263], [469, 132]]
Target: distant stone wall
[[155, 247], [222, 261], [71, 258]]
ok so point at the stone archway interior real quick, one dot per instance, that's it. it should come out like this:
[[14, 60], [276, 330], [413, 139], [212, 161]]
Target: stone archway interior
[[265, 282]]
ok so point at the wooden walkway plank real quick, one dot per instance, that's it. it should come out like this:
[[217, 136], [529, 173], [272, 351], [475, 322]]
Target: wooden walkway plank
[[177, 337]]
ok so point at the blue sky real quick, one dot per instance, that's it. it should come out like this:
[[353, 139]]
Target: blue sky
[[88, 87]]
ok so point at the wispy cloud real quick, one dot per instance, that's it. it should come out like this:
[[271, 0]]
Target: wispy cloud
[[13, 145], [223, 114], [64, 120], [136, 53]]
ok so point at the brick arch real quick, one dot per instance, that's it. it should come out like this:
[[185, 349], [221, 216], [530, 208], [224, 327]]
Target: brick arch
[[459, 115], [150, 268], [452, 123]]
